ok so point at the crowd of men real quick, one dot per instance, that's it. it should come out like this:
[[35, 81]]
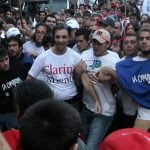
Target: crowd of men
[[90, 68]]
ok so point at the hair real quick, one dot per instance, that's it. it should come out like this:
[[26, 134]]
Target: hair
[[10, 20], [29, 92], [3, 51], [130, 34], [148, 17], [48, 39], [85, 32], [49, 125], [61, 26], [70, 11], [143, 30], [15, 38]]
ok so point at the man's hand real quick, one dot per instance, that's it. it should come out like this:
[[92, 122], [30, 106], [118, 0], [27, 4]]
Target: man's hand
[[98, 108], [106, 74], [81, 67]]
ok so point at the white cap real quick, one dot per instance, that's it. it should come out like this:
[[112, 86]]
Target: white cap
[[12, 32], [72, 23]]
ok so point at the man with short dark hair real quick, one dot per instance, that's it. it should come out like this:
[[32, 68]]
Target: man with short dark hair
[[50, 125], [58, 66], [10, 75], [14, 45]]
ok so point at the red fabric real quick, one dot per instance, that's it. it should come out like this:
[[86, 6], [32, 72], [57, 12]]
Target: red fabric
[[127, 139], [13, 139]]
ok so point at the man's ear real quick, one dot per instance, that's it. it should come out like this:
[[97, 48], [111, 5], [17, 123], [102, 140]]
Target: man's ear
[[74, 147]]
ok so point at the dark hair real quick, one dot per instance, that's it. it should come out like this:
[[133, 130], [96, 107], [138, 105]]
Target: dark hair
[[85, 32], [62, 26], [70, 11], [143, 30], [3, 51], [48, 39], [15, 38], [10, 20], [49, 125], [29, 92]]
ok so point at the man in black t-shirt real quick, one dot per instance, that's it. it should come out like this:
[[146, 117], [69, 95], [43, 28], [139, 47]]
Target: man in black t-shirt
[[10, 75]]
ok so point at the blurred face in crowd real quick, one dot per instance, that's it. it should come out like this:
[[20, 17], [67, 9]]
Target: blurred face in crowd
[[4, 63], [117, 28], [19, 24], [130, 28], [130, 45], [42, 16], [144, 42], [80, 21], [133, 19], [115, 47], [14, 49], [93, 25], [50, 21], [39, 33], [82, 43]]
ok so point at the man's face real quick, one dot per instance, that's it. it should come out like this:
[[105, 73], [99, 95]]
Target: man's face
[[93, 25], [40, 32], [144, 41], [61, 39], [80, 21], [50, 21], [42, 16], [14, 48], [133, 19], [115, 47], [117, 28], [82, 43], [99, 49], [4, 63], [130, 45]]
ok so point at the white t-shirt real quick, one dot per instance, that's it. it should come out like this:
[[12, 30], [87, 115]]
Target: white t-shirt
[[31, 46], [57, 72], [108, 102]]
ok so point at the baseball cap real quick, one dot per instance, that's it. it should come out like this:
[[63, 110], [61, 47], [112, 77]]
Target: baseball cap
[[101, 35], [127, 139], [108, 21], [72, 23], [12, 32]]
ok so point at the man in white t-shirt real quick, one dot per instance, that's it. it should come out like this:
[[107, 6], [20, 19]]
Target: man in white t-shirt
[[57, 66], [96, 123]]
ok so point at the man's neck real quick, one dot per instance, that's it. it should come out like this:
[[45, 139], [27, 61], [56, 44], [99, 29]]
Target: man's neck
[[58, 52], [145, 55]]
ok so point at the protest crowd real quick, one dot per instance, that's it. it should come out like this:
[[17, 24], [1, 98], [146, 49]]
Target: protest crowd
[[77, 79]]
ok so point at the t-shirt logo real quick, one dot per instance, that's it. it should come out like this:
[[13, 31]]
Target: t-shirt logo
[[96, 64]]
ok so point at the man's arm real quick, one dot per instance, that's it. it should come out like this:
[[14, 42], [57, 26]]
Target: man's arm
[[88, 85]]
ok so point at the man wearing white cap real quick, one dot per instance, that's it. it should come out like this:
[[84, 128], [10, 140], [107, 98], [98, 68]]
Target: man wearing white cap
[[97, 122]]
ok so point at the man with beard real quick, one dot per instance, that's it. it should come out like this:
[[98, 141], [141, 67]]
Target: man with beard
[[133, 76]]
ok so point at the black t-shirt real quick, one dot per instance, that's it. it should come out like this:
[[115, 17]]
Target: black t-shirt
[[8, 80]]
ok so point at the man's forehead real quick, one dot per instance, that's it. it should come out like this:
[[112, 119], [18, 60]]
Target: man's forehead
[[144, 34]]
